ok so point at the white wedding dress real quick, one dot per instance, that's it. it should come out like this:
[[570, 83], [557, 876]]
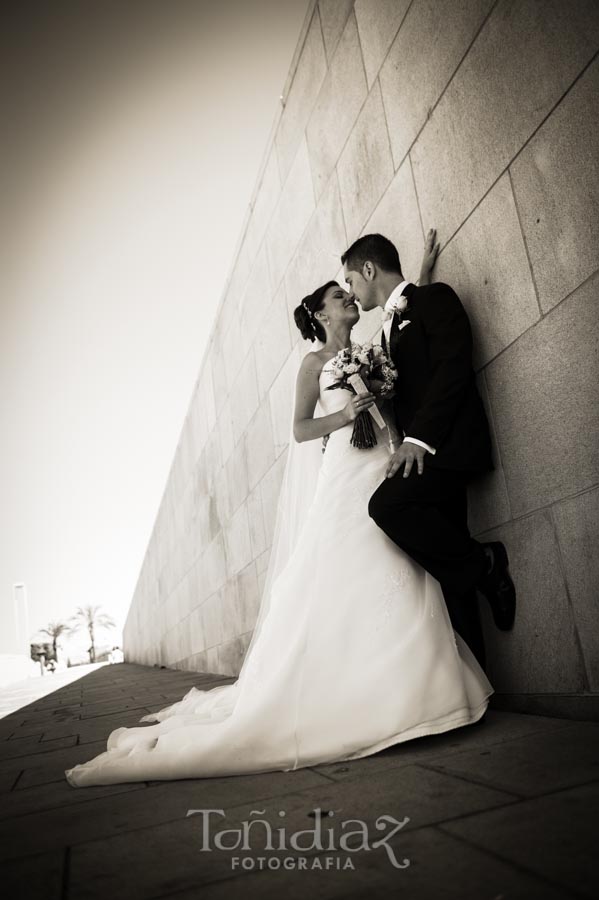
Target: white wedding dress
[[356, 652]]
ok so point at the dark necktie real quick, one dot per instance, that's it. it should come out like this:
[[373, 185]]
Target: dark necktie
[[394, 334]]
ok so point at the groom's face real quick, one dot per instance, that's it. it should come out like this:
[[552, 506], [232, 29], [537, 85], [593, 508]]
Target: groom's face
[[361, 287]]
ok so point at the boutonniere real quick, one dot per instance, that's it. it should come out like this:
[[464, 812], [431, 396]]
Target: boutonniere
[[399, 306]]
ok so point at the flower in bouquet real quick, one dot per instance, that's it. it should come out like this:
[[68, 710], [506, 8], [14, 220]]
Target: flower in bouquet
[[365, 355], [384, 372]]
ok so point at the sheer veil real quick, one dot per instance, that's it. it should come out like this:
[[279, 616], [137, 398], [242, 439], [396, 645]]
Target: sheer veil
[[297, 491]]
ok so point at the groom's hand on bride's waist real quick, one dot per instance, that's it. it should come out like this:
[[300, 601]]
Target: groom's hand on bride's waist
[[406, 455]]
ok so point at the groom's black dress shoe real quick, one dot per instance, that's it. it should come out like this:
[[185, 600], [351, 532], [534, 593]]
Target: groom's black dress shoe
[[498, 587]]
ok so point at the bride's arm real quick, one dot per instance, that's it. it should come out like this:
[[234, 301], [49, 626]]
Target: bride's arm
[[429, 258], [307, 391]]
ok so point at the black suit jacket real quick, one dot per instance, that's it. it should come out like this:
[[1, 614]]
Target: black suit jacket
[[436, 399]]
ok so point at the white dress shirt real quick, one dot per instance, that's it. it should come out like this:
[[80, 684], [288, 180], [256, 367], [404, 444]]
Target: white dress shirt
[[394, 295]]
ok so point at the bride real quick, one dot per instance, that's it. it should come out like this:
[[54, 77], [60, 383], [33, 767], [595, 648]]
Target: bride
[[353, 649]]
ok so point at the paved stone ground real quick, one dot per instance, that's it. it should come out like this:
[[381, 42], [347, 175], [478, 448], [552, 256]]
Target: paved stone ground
[[20, 693], [501, 810]]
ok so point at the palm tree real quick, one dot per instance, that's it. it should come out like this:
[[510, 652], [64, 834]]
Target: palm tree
[[54, 630], [89, 617]]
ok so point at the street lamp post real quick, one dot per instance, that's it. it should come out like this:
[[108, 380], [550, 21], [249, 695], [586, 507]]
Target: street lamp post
[[21, 618]]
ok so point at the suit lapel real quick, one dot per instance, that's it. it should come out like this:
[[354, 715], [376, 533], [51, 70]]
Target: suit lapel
[[396, 331], [394, 336], [384, 341]]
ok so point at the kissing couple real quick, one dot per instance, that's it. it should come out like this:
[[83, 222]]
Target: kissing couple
[[368, 632]]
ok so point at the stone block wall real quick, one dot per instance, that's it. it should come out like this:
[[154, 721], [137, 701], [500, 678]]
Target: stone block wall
[[479, 118]]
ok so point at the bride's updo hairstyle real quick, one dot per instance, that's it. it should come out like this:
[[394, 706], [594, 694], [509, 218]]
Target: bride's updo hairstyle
[[310, 328]]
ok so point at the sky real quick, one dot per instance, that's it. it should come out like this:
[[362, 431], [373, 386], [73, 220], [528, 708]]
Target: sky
[[134, 133]]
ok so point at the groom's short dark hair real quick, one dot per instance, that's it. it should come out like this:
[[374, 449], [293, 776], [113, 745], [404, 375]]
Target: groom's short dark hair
[[376, 248]]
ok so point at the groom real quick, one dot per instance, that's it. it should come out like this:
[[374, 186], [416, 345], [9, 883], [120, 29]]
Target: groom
[[422, 503]]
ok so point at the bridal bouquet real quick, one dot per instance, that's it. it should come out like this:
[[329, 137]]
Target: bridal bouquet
[[371, 363]]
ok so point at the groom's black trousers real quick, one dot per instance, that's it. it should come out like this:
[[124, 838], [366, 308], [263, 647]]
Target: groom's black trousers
[[427, 516]]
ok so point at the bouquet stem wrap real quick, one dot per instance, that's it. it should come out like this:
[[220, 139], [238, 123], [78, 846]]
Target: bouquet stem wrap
[[363, 435]]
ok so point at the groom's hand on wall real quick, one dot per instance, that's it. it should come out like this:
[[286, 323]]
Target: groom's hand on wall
[[406, 456]]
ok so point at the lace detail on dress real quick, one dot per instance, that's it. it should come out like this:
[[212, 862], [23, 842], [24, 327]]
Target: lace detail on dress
[[394, 583]]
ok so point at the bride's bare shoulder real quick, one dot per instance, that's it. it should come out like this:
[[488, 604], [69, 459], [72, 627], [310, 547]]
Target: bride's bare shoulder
[[312, 363]]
